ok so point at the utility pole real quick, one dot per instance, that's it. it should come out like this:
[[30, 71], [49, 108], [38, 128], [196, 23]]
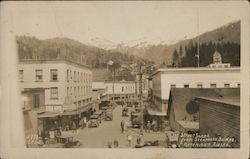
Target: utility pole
[[113, 87], [140, 95]]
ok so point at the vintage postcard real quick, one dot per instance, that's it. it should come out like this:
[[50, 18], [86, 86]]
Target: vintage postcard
[[124, 79]]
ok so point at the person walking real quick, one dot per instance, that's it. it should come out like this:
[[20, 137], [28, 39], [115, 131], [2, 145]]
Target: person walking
[[74, 127], [122, 126], [109, 144], [116, 143], [148, 126], [129, 138]]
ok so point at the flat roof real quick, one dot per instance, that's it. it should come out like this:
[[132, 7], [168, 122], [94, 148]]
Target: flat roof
[[194, 69], [46, 61]]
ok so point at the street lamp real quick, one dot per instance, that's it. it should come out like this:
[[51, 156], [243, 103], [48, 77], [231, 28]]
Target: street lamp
[[111, 63]]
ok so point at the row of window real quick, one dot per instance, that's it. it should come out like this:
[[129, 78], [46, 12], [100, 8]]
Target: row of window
[[39, 75], [78, 76], [212, 85], [78, 91]]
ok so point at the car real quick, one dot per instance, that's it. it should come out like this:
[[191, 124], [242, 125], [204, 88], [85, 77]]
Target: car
[[109, 115], [93, 123], [100, 114], [136, 119], [96, 117]]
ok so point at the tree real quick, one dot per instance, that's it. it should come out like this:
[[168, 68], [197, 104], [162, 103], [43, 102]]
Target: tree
[[175, 58], [180, 51]]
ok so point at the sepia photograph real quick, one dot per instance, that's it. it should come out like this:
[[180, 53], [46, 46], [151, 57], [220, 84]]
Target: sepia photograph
[[104, 77]]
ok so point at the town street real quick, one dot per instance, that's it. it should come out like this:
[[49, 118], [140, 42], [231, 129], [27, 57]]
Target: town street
[[111, 130]]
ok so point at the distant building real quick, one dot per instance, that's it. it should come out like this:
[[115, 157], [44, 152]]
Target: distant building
[[217, 61], [57, 87], [186, 112], [121, 90], [220, 116]]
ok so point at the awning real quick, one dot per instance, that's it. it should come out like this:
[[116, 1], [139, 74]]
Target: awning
[[77, 111], [48, 114], [152, 110]]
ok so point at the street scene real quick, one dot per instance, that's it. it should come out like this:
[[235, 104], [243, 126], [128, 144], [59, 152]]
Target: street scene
[[113, 81]]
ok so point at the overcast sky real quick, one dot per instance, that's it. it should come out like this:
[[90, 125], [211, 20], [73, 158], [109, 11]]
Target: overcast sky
[[120, 21]]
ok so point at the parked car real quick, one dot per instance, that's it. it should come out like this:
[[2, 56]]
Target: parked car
[[109, 115], [94, 123], [100, 114], [136, 119], [95, 117]]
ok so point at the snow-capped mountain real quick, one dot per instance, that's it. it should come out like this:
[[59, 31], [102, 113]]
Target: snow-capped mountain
[[138, 43]]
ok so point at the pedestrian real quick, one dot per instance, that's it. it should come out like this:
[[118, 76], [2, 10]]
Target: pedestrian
[[122, 126], [129, 138], [148, 126], [126, 126], [116, 143], [85, 121], [73, 127], [109, 144], [43, 137]]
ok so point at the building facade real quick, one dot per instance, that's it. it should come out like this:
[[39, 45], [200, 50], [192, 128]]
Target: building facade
[[120, 90], [56, 85], [204, 77]]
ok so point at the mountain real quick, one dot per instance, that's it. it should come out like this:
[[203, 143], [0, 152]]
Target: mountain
[[163, 52], [94, 57]]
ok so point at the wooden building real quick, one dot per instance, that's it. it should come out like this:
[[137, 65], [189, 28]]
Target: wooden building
[[220, 116], [184, 110]]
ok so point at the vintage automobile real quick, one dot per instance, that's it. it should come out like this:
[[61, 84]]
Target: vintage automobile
[[125, 111], [93, 123], [68, 141], [109, 115], [100, 114], [136, 119]]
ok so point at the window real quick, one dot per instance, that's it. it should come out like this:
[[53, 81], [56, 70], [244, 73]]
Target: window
[[54, 93], [67, 91], [70, 91], [21, 75], [39, 75], [67, 75], [122, 89], [78, 78], [53, 75], [186, 85], [81, 77], [226, 85], [238, 85], [74, 76], [172, 86], [199, 86], [70, 74], [75, 92], [78, 91], [213, 85]]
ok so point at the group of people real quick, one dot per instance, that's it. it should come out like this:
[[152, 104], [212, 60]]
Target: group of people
[[151, 126], [115, 144]]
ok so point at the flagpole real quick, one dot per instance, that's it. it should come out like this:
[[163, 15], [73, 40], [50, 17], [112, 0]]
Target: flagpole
[[198, 41]]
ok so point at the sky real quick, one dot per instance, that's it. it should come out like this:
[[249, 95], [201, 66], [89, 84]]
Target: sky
[[121, 22]]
